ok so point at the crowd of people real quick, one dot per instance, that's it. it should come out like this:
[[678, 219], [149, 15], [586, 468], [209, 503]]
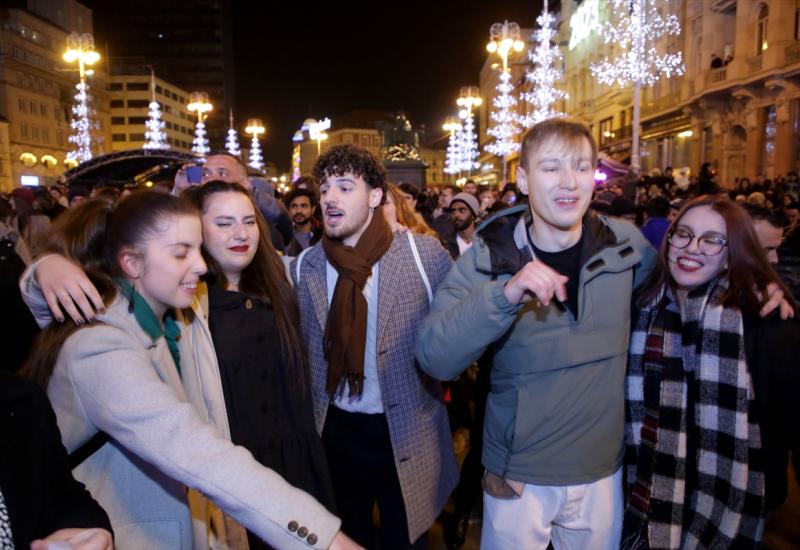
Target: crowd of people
[[212, 364]]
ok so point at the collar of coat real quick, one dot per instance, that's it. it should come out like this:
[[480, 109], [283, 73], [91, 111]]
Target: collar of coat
[[503, 245]]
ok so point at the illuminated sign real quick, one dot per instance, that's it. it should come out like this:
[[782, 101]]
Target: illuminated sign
[[585, 19], [29, 181], [316, 131]]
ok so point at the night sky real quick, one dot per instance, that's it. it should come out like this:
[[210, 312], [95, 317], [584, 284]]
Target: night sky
[[325, 59]]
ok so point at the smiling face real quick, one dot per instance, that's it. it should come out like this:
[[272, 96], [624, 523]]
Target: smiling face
[[559, 181], [230, 232], [690, 267], [166, 268], [346, 201]]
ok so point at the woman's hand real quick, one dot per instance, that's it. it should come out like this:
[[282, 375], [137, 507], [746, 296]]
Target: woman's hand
[[775, 299], [65, 284], [76, 539]]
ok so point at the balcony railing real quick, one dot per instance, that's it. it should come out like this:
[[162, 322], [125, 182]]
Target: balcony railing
[[754, 64], [792, 53], [715, 76], [660, 104]]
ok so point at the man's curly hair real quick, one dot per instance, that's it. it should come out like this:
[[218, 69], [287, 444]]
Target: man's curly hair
[[340, 159]]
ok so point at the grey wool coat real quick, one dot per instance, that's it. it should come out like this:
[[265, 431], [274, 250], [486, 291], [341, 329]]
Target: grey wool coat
[[412, 401]]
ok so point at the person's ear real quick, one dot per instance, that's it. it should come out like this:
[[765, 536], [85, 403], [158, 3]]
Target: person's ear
[[131, 263], [375, 197], [522, 180]]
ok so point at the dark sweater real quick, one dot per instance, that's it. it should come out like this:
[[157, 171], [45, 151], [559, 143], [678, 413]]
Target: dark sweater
[[772, 348]]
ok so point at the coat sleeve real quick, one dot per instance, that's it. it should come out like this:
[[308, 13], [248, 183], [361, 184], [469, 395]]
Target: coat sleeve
[[468, 314], [132, 404], [32, 295]]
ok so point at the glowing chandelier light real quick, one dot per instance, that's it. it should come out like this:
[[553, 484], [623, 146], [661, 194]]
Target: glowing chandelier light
[[546, 60], [254, 128], [504, 38], [453, 159], [636, 27], [232, 139], [80, 48], [199, 103], [468, 99], [154, 133]]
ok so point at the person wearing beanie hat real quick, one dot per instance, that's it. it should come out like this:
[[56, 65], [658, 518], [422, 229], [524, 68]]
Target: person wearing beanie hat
[[464, 210]]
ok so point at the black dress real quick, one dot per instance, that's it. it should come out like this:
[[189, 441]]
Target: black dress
[[267, 413]]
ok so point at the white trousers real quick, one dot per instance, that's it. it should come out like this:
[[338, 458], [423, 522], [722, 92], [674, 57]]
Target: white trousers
[[580, 517]]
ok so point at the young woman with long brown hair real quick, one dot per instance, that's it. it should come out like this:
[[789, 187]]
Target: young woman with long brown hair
[[711, 388], [138, 395], [254, 323]]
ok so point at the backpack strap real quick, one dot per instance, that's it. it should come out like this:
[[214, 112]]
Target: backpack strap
[[299, 262], [82, 453], [420, 267]]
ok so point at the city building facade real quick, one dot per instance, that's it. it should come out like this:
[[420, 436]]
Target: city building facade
[[131, 95], [37, 89]]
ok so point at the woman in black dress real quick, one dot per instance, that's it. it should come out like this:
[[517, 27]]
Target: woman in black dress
[[254, 323]]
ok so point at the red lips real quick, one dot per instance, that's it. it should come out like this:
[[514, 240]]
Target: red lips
[[240, 248]]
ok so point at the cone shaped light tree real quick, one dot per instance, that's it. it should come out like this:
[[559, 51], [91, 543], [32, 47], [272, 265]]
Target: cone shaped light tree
[[232, 139], [546, 60], [154, 133], [453, 159], [469, 99], [199, 103], [254, 128], [80, 48]]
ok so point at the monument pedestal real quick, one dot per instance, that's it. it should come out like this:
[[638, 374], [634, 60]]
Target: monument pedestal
[[406, 171]]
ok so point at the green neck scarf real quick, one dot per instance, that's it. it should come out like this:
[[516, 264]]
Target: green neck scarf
[[149, 323]]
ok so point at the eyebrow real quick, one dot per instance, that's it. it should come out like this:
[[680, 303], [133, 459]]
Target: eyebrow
[[344, 180]]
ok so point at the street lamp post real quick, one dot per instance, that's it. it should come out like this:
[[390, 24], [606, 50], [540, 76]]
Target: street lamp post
[[504, 38], [468, 98], [80, 48], [255, 128], [199, 103]]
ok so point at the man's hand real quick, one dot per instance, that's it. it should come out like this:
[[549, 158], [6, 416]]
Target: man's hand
[[775, 299], [65, 284], [181, 182], [343, 542], [539, 280], [76, 539]]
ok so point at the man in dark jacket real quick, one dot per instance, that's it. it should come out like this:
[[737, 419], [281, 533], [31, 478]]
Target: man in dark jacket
[[38, 494]]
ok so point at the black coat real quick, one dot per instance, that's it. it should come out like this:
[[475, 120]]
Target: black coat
[[38, 488], [772, 348]]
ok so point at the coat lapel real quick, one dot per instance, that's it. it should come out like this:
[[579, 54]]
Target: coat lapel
[[317, 283], [390, 274]]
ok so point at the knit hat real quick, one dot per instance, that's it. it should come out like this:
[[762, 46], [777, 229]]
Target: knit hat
[[25, 194], [468, 199]]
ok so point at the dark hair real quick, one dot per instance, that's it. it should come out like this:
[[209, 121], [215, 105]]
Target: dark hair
[[657, 208], [301, 192], [6, 212], [79, 235], [749, 272], [265, 279], [409, 189], [776, 218], [794, 205], [309, 182], [340, 159]]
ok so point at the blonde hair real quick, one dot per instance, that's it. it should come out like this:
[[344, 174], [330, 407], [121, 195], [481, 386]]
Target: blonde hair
[[407, 216]]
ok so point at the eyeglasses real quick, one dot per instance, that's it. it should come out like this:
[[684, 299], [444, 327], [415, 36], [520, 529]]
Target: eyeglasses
[[709, 244]]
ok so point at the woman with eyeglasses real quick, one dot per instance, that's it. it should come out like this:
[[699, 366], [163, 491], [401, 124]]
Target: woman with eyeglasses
[[712, 389]]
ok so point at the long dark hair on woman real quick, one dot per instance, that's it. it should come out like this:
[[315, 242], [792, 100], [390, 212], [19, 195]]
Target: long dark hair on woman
[[265, 279], [749, 272], [92, 235]]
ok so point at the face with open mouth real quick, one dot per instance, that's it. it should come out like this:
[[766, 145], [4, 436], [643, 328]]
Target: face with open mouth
[[230, 232], [346, 201], [694, 265], [559, 182]]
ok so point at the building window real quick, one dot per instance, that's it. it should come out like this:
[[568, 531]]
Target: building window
[[35, 133], [45, 135], [23, 105], [23, 130], [60, 137], [138, 86], [43, 110], [167, 125], [117, 137], [33, 107], [137, 119], [606, 130], [174, 96], [117, 103], [115, 86], [117, 120], [761, 29], [797, 24], [135, 137], [137, 103], [159, 89]]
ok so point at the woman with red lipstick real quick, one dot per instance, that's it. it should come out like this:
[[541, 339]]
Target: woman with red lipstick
[[711, 388], [254, 323]]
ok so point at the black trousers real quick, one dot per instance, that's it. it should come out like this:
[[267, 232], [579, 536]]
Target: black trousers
[[361, 460]]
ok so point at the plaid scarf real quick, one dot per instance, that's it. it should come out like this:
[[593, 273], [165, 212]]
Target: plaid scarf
[[694, 466]]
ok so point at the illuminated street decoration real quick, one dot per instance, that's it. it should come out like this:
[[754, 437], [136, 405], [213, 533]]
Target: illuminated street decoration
[[585, 20], [232, 139], [255, 128], [636, 27], [453, 159], [80, 48], [546, 73]]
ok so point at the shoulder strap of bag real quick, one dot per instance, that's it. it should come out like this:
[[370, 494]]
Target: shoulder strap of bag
[[82, 453], [420, 267]]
